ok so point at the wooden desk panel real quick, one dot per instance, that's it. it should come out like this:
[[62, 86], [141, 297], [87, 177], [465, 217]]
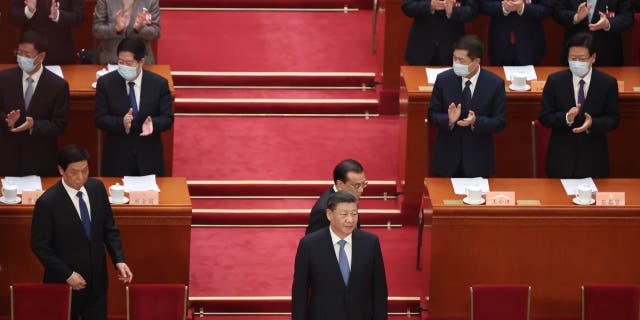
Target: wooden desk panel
[[81, 127], [555, 247], [156, 242]]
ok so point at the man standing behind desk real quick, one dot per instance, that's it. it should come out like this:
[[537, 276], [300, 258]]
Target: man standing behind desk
[[133, 107], [580, 105], [468, 107], [33, 106], [339, 272], [71, 225]]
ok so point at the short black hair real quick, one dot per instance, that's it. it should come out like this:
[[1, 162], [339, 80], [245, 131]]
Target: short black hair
[[582, 39], [344, 167], [472, 44], [70, 154], [341, 196], [134, 46], [37, 39]]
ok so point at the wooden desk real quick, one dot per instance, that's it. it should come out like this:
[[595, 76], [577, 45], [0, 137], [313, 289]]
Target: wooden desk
[[81, 128], [513, 145], [156, 242], [555, 247]]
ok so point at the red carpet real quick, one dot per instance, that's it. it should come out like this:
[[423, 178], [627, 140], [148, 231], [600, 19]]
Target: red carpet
[[263, 148], [266, 4], [275, 94], [266, 41]]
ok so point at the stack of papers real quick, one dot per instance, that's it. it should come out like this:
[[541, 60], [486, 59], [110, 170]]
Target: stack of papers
[[460, 184], [529, 71], [29, 183], [571, 185], [432, 73], [57, 70], [143, 183]]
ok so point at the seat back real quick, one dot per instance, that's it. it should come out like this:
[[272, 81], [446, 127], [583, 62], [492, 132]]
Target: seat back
[[539, 142], [500, 302], [610, 301], [30, 301], [157, 301]]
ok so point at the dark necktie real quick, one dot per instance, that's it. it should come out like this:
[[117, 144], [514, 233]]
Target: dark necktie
[[466, 99], [132, 99], [343, 262], [84, 214], [581, 93], [28, 94]]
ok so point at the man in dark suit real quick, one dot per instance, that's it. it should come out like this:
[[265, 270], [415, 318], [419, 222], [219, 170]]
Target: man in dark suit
[[133, 107], [580, 105], [468, 107], [605, 20], [347, 175], [436, 26], [339, 272], [71, 226], [54, 19], [33, 106], [516, 36]]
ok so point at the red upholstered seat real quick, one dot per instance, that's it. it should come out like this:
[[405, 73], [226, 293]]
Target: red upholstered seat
[[156, 301], [610, 301], [540, 136], [35, 301], [500, 302]]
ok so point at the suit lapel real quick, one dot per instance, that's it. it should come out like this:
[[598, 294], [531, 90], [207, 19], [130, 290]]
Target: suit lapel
[[356, 251], [20, 90], [568, 83], [69, 210]]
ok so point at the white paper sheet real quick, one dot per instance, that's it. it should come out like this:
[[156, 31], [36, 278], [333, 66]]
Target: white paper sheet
[[55, 69], [529, 70], [460, 184], [571, 185], [432, 73], [30, 183], [142, 183]]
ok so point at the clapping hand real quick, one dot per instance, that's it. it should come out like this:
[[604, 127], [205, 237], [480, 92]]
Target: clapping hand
[[602, 23], [127, 119], [585, 126], [31, 4], [454, 112], [470, 120], [583, 11], [54, 10], [27, 125], [147, 127], [122, 17], [573, 113], [12, 118]]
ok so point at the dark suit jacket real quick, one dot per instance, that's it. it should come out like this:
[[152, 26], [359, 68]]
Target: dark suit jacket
[[122, 150], [59, 36], [529, 35], [319, 292], [474, 148], [571, 155], [60, 243], [35, 152], [608, 44], [433, 33]]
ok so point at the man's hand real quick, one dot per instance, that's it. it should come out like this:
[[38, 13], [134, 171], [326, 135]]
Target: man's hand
[[454, 112], [141, 20], [582, 12], [512, 6], [468, 121], [12, 118], [585, 126], [122, 17], [27, 125], [54, 10], [147, 127], [573, 113], [76, 281], [448, 7], [127, 119], [31, 4], [437, 5], [603, 22], [124, 274]]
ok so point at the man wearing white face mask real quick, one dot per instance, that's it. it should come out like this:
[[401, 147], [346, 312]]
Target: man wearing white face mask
[[33, 107], [580, 105], [133, 106], [468, 107]]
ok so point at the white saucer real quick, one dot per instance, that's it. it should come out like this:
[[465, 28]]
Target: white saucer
[[469, 201], [123, 201], [15, 201], [525, 88], [577, 201], [94, 85]]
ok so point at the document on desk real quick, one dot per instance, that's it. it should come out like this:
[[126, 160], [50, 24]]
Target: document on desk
[[31, 183], [460, 184], [571, 185], [529, 71], [432, 73], [142, 183], [55, 69]]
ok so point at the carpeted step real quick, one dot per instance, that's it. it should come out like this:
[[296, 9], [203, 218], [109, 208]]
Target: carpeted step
[[283, 317], [244, 93], [282, 188], [362, 4], [283, 203], [201, 106], [277, 79]]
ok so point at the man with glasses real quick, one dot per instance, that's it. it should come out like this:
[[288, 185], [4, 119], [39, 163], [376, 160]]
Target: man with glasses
[[580, 105], [33, 106], [131, 117], [347, 175]]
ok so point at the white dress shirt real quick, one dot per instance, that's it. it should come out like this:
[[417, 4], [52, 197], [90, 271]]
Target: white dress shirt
[[473, 79], [576, 85], [35, 77], [336, 246], [136, 88], [74, 198]]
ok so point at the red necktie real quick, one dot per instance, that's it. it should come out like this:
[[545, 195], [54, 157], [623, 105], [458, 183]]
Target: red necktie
[[512, 37]]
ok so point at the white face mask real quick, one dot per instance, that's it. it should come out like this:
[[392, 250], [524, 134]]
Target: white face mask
[[26, 64], [461, 70], [127, 72], [579, 68]]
